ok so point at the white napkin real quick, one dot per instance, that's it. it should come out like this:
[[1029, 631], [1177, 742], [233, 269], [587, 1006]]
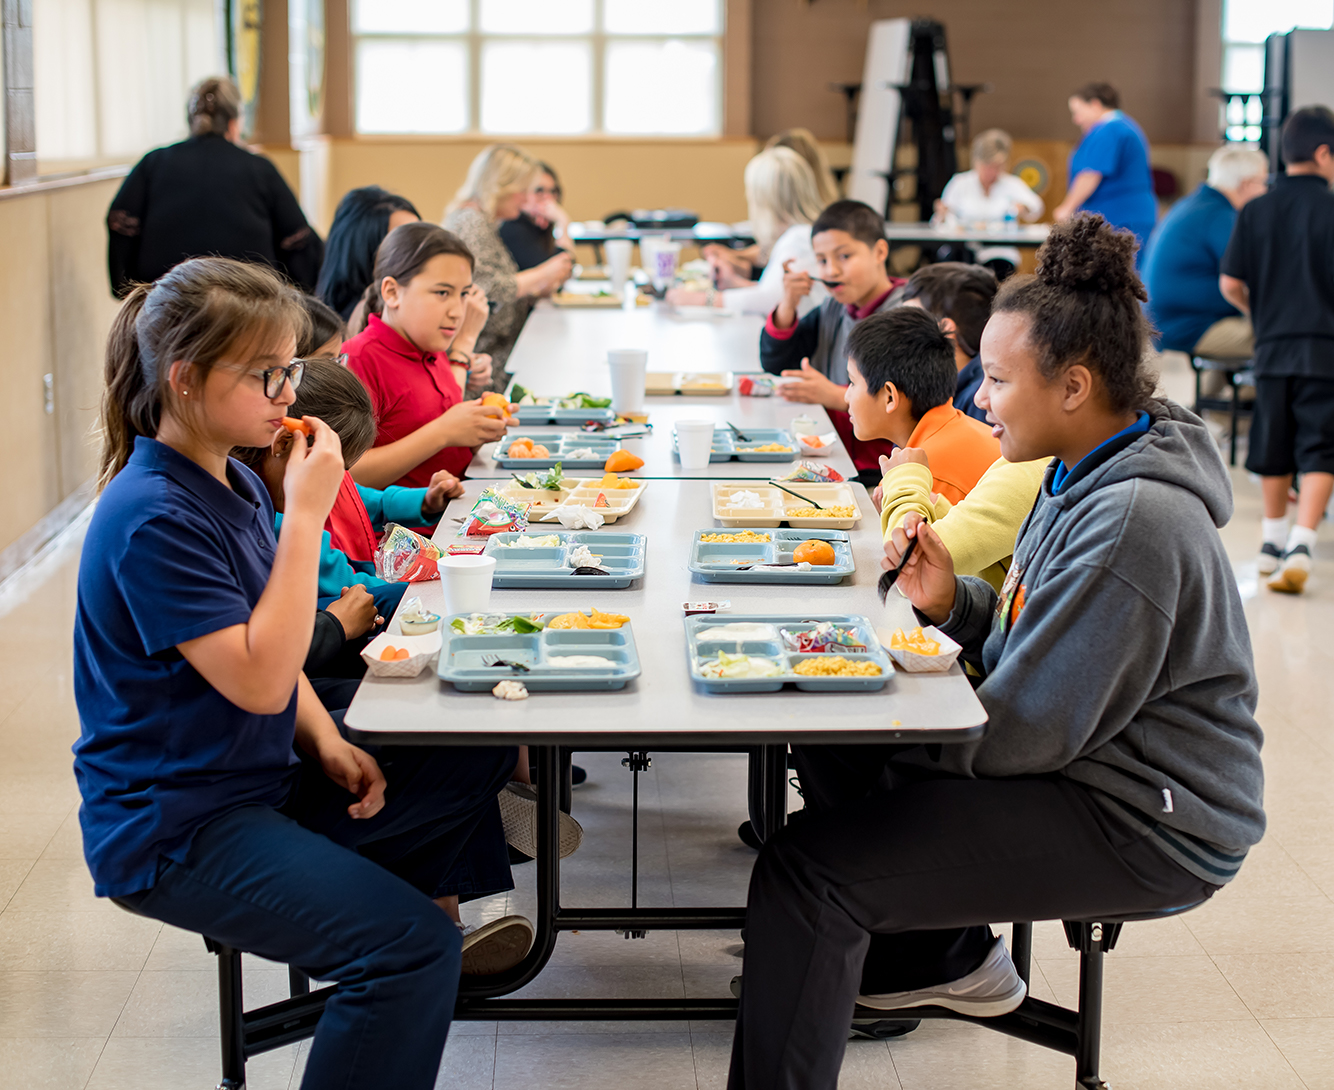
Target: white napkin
[[579, 518]]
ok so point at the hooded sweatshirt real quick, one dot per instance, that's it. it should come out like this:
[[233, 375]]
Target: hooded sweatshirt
[[1117, 653]]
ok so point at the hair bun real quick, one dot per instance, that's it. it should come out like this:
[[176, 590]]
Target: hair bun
[[1088, 254]]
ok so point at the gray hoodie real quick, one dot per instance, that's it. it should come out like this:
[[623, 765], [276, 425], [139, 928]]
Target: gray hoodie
[[1127, 665]]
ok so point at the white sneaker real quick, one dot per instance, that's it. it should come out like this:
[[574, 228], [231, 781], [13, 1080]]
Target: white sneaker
[[496, 946], [518, 814], [1271, 556], [992, 989], [1291, 577]]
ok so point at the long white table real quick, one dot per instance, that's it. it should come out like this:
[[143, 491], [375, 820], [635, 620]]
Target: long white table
[[1025, 235], [656, 447], [662, 708]]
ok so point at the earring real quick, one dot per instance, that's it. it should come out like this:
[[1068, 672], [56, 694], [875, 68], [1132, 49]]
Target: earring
[[185, 393]]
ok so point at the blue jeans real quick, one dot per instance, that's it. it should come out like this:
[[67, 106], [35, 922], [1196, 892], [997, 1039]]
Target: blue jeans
[[343, 900]]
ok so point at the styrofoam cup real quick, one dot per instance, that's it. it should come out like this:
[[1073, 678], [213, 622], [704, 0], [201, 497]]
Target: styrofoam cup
[[694, 442], [618, 262], [628, 368], [466, 581]]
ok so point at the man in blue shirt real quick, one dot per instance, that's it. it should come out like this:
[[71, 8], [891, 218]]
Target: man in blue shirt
[[1184, 255], [1109, 169]]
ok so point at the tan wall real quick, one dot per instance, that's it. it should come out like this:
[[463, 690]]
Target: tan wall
[[598, 176], [56, 306], [1033, 53]]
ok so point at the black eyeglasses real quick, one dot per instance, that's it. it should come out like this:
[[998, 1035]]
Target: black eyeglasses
[[276, 377]]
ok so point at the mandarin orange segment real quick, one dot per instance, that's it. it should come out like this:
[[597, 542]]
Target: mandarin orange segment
[[622, 461]]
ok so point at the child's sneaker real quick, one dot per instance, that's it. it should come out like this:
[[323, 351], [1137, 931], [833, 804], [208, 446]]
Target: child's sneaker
[[518, 815], [1291, 577], [496, 947], [1271, 556]]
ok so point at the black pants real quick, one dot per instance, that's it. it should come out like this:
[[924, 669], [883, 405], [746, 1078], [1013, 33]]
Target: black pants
[[949, 855]]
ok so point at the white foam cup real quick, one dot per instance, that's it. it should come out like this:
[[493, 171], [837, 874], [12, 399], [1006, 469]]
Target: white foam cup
[[618, 262], [628, 369], [694, 442], [466, 581]]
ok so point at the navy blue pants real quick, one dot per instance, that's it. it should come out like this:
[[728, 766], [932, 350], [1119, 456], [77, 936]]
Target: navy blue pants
[[350, 901]]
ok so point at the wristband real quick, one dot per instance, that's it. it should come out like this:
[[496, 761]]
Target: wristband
[[465, 363]]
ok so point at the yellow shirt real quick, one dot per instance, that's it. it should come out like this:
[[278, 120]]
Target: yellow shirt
[[980, 529]]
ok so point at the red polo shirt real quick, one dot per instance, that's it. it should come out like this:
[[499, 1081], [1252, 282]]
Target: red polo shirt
[[409, 390]]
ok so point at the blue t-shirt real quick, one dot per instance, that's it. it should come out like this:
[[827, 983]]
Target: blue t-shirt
[[1117, 148], [1181, 265], [171, 554], [965, 389]]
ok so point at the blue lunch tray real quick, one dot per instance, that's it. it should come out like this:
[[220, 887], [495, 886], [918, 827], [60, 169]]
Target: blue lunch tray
[[461, 658], [774, 648], [559, 445], [712, 561], [546, 566], [727, 447], [546, 414]]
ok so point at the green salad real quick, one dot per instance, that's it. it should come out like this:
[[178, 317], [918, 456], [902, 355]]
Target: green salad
[[495, 624], [552, 479], [520, 395]]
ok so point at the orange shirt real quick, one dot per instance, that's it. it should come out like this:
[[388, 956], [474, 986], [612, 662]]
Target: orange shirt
[[960, 449]]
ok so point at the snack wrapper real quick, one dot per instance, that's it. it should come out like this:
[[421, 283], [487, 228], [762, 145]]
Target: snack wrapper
[[404, 556], [815, 472], [756, 385], [494, 513], [824, 637]]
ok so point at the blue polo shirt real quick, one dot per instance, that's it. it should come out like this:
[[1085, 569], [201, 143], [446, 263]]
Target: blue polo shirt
[[1117, 148], [1181, 265], [171, 554], [965, 389]]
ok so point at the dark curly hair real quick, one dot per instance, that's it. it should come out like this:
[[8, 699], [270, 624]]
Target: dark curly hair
[[1084, 306]]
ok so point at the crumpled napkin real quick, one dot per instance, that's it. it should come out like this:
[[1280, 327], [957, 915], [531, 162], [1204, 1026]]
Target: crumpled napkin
[[579, 518]]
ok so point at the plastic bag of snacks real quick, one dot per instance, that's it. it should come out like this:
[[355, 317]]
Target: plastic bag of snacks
[[404, 556], [495, 514], [756, 385], [824, 637], [813, 471]]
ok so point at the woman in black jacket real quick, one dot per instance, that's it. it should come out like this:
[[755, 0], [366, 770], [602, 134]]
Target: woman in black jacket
[[206, 196]]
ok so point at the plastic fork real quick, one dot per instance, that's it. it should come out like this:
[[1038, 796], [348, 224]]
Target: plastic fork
[[817, 506], [490, 659]]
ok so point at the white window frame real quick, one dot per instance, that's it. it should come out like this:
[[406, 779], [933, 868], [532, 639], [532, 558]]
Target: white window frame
[[598, 40]]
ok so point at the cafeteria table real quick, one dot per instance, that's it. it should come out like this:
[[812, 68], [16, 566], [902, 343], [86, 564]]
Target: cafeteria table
[[1024, 235], [662, 709], [656, 447]]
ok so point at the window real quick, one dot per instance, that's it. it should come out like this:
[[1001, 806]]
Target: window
[[1246, 25], [111, 77], [539, 67]]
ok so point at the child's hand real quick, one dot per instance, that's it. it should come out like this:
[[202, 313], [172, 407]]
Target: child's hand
[[475, 313], [902, 456], [313, 474], [927, 580], [811, 388], [470, 424], [479, 377], [356, 611], [796, 284], [354, 770], [444, 486]]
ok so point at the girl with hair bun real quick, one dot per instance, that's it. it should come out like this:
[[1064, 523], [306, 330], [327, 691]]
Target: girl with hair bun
[[1120, 767], [219, 795]]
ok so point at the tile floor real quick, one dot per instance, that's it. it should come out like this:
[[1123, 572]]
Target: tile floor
[[1239, 993]]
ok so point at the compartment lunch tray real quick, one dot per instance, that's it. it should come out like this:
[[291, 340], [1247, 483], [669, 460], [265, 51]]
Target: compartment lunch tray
[[688, 383], [727, 447], [777, 505], [716, 561], [461, 658], [548, 566], [698, 651], [559, 446], [581, 493], [534, 415]]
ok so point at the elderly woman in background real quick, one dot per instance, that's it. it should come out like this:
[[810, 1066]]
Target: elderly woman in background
[[208, 195], [362, 219], [494, 191], [1109, 168], [783, 203], [988, 193]]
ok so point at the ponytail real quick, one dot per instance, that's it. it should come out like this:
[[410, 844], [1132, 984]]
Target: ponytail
[[201, 312]]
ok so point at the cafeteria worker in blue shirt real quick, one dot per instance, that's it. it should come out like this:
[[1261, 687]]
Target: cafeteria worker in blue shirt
[[218, 794], [1109, 169]]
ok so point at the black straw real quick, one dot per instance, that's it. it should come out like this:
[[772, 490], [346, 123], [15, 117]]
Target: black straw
[[889, 578]]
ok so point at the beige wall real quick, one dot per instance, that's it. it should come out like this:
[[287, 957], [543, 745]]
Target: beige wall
[[1033, 53], [56, 306]]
